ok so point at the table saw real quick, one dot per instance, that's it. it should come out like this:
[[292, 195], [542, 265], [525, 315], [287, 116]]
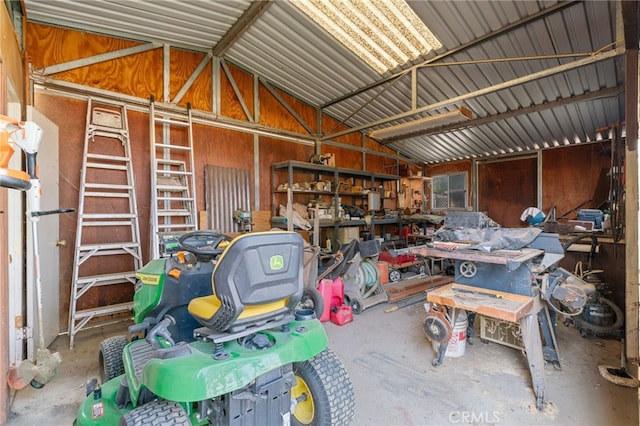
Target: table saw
[[523, 286]]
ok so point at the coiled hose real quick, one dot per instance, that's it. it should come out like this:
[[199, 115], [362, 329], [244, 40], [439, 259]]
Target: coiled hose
[[368, 278]]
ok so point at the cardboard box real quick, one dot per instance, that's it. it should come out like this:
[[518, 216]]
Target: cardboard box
[[330, 159], [345, 234]]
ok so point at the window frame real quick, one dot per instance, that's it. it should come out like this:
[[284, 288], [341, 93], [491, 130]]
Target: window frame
[[436, 198]]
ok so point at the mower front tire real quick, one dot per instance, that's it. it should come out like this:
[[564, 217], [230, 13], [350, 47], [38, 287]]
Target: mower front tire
[[156, 413], [110, 357], [324, 392]]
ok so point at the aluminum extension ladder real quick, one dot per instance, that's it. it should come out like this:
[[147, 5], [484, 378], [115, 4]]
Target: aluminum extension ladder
[[107, 250], [173, 185]]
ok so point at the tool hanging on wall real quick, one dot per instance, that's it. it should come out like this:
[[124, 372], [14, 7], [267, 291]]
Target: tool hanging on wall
[[27, 136]]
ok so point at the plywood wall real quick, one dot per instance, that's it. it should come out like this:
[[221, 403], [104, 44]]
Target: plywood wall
[[506, 188], [575, 175]]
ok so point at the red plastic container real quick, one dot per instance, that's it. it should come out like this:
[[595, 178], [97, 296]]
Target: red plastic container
[[333, 295], [341, 315], [337, 293], [325, 287], [396, 260]]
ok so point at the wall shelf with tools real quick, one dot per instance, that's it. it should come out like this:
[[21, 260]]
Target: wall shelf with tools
[[344, 200]]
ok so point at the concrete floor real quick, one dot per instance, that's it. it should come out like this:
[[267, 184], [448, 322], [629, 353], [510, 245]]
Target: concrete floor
[[389, 360]]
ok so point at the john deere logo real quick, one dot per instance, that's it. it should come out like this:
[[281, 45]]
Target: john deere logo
[[276, 262]]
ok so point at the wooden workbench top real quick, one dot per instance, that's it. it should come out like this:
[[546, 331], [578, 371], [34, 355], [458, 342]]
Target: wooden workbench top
[[492, 303], [499, 257]]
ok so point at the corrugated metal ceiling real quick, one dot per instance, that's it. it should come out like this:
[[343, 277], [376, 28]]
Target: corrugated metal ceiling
[[286, 48]]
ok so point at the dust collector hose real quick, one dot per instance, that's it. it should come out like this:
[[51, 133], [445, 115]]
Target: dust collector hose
[[600, 329]]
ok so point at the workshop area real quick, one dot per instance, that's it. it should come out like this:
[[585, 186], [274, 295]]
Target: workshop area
[[319, 212]]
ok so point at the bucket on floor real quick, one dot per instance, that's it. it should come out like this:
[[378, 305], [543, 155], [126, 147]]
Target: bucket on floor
[[458, 341]]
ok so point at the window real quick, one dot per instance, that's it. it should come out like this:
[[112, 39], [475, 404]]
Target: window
[[449, 191]]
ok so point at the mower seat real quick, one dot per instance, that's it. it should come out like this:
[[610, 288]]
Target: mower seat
[[257, 278]]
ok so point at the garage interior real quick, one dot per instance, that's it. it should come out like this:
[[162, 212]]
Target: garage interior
[[504, 111]]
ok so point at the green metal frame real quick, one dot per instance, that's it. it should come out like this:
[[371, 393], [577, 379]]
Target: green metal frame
[[151, 280], [197, 377]]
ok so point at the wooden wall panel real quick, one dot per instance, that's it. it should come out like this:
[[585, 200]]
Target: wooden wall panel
[[182, 66], [378, 164], [372, 145], [346, 158], [573, 175], [219, 147], [274, 114], [231, 107], [506, 188], [275, 151], [139, 75], [331, 125]]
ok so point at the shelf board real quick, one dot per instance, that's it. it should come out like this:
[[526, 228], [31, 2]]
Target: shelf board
[[302, 167], [304, 191]]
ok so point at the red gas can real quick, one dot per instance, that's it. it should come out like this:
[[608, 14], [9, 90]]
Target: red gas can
[[341, 315], [337, 293], [325, 287]]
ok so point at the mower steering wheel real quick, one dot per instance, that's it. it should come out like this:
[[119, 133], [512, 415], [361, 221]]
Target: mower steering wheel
[[203, 244]]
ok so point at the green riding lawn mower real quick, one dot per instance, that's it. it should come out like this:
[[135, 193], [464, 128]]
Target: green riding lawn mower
[[219, 339]]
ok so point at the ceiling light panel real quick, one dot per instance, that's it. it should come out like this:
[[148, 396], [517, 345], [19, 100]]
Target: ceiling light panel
[[383, 33]]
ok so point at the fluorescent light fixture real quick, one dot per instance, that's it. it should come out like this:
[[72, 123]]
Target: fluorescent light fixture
[[383, 33], [422, 124]]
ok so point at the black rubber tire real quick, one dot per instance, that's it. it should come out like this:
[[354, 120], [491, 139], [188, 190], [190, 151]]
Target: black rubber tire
[[312, 299], [356, 306], [110, 357], [156, 413], [330, 388], [395, 275]]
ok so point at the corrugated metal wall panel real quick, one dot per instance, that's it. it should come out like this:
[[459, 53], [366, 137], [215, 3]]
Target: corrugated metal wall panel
[[227, 189]]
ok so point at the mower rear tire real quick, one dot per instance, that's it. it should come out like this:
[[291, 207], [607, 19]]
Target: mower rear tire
[[110, 357], [156, 413], [324, 392]]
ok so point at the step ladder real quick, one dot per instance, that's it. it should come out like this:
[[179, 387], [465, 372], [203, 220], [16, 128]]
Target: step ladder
[[173, 194], [107, 251]]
